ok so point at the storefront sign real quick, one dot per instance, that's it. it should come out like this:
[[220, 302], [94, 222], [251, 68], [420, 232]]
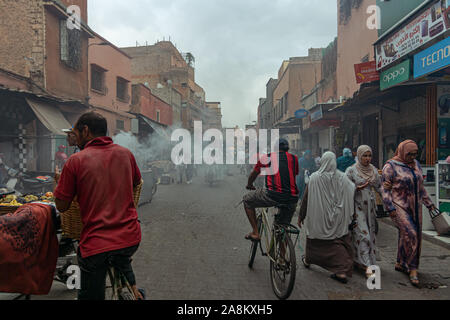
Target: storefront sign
[[395, 75], [317, 115], [432, 59], [366, 72], [426, 27], [302, 113]]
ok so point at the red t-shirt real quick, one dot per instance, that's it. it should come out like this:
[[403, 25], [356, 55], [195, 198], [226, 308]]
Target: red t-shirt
[[102, 177]]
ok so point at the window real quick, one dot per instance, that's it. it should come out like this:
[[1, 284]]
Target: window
[[122, 89], [285, 103], [70, 46], [158, 114], [120, 125], [365, 59], [98, 79]]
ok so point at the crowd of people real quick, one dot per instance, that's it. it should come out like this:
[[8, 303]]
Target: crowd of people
[[338, 206]]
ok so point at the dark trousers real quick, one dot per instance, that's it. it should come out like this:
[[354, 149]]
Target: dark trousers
[[94, 268]]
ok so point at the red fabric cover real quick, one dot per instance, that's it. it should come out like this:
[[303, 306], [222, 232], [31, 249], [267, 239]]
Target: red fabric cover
[[28, 250]]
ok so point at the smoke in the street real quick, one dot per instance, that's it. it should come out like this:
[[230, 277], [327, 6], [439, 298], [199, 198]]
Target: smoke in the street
[[151, 148]]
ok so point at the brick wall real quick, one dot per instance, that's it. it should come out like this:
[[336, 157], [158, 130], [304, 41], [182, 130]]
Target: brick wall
[[148, 105], [22, 35]]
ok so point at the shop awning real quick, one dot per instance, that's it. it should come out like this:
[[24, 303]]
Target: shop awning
[[157, 127], [50, 116]]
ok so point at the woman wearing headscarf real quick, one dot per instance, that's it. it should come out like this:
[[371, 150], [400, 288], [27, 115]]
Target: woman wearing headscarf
[[327, 209], [346, 160], [305, 163], [403, 200], [365, 175]]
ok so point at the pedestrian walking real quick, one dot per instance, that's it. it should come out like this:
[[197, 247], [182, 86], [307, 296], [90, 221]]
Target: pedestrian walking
[[346, 160], [180, 170], [317, 160], [305, 163], [327, 210], [189, 173], [404, 202], [365, 175]]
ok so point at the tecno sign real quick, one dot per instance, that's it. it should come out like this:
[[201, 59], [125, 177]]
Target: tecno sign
[[432, 59], [395, 75]]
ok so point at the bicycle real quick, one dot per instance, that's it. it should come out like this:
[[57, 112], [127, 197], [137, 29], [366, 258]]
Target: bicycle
[[117, 286], [279, 248]]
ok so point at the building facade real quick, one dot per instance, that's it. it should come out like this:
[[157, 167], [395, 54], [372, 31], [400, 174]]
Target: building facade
[[162, 65], [110, 84], [40, 52]]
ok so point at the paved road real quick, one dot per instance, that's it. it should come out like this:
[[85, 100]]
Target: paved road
[[193, 247]]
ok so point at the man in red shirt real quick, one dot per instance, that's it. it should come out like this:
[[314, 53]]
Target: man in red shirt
[[102, 177], [281, 187]]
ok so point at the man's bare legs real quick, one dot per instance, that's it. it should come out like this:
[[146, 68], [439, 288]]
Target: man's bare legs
[[251, 215]]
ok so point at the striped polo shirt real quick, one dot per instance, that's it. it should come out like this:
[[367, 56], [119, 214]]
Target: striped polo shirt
[[281, 170]]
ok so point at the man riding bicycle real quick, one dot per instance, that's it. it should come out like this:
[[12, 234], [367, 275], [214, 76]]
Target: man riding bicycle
[[281, 188], [102, 177]]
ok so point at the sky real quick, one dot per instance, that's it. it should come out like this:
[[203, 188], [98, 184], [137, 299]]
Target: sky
[[238, 45]]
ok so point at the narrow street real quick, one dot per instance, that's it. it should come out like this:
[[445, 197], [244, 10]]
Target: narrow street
[[193, 248]]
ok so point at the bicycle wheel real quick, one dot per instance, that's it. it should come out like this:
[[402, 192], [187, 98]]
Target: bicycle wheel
[[254, 246], [117, 287], [111, 285], [283, 270]]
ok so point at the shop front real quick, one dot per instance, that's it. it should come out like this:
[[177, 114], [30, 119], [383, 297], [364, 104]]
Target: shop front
[[415, 54], [31, 131], [319, 128]]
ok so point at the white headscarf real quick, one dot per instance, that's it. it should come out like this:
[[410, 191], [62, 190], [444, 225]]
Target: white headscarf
[[369, 172], [330, 201]]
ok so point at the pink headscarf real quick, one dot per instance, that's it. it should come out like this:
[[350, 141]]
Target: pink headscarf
[[403, 149]]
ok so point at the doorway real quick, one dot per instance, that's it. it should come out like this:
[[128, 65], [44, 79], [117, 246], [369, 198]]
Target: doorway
[[370, 136]]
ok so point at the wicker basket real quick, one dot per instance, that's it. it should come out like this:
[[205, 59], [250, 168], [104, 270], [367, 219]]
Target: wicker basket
[[8, 209], [71, 224]]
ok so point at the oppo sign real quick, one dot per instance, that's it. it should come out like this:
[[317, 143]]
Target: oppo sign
[[395, 75]]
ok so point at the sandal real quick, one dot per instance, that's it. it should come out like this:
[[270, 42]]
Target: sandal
[[414, 281], [341, 280], [307, 266], [401, 269], [249, 237]]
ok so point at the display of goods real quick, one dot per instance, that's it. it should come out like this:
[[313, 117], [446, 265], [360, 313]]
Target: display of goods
[[15, 201]]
